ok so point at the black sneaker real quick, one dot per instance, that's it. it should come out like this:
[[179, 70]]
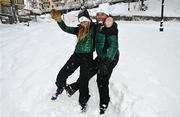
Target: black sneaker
[[103, 109], [56, 94], [69, 90], [83, 108]]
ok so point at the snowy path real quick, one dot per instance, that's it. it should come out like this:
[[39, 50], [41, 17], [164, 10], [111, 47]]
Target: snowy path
[[144, 84]]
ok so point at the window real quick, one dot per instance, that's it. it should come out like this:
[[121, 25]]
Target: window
[[57, 0], [7, 10], [20, 1]]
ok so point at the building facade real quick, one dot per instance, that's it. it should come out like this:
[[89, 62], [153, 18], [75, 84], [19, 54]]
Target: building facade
[[7, 6], [47, 5]]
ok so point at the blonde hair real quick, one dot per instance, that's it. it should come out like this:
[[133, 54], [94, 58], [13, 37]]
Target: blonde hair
[[82, 33]]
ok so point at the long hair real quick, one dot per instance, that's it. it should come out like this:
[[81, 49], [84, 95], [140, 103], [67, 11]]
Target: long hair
[[82, 33]]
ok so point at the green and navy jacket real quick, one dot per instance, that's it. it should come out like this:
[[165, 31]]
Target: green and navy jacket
[[107, 41], [85, 46]]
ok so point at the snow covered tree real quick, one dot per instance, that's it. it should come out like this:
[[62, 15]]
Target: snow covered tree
[[143, 7]]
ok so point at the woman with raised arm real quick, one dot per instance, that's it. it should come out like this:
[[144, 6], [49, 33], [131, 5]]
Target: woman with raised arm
[[82, 56]]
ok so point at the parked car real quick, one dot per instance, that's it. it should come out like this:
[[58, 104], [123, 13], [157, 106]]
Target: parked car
[[7, 19]]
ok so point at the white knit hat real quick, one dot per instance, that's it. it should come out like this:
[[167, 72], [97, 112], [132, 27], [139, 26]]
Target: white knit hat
[[83, 18], [104, 8]]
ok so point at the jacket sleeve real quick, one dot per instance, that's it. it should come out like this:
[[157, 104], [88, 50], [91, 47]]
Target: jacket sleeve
[[113, 46], [68, 29], [112, 39]]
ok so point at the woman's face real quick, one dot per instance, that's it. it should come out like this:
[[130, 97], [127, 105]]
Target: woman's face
[[85, 24], [101, 17]]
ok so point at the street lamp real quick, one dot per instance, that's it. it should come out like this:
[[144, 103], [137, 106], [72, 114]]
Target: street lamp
[[162, 17], [13, 11]]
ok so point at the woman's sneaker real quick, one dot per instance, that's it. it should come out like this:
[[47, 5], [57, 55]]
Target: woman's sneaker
[[69, 90], [83, 108], [56, 94], [103, 108]]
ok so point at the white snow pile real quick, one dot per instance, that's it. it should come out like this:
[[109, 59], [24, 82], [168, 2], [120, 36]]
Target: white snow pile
[[171, 8]]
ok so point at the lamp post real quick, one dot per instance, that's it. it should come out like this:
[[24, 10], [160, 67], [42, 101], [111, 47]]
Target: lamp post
[[162, 17], [14, 18]]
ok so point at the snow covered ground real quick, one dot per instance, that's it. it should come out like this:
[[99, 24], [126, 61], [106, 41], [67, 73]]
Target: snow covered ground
[[145, 82]]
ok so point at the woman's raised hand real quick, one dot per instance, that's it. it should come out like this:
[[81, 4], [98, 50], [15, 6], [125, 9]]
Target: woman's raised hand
[[56, 15]]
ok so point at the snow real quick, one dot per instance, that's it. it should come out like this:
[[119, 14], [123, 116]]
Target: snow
[[171, 8], [144, 83], [37, 11]]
